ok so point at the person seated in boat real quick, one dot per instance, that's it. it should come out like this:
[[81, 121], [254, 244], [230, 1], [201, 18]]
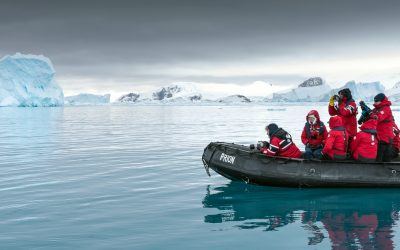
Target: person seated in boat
[[335, 147], [344, 106], [364, 146], [396, 141], [280, 144], [313, 136], [383, 114]]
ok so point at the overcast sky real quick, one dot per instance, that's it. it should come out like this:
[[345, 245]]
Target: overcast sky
[[120, 46]]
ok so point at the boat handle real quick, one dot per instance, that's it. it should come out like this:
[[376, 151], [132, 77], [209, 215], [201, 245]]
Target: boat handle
[[394, 171], [312, 171], [207, 168]]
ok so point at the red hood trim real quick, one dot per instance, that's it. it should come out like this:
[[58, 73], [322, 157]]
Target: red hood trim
[[315, 113], [369, 125]]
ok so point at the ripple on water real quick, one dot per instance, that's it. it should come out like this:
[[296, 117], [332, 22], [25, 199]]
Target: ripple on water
[[132, 177]]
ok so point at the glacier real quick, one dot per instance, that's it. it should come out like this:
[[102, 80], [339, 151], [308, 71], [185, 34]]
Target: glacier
[[28, 81], [87, 99]]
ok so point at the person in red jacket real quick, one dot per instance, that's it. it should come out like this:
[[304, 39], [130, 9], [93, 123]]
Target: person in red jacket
[[364, 146], [335, 147], [346, 108], [383, 114], [313, 135], [280, 144], [396, 141]]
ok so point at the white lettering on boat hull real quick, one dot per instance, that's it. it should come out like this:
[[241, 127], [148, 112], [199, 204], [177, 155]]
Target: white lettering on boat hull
[[227, 158]]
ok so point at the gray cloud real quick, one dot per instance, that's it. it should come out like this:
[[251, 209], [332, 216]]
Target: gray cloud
[[119, 40]]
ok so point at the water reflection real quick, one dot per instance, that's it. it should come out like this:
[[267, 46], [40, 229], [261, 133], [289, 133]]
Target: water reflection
[[348, 218]]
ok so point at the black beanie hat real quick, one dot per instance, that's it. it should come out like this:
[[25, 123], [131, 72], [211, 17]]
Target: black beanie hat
[[345, 92], [379, 97], [272, 128]]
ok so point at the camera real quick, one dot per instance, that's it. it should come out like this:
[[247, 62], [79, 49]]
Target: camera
[[365, 114], [336, 98]]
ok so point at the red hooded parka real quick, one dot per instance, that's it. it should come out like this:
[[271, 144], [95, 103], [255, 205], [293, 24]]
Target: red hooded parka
[[396, 139], [364, 145], [347, 110], [314, 134], [336, 142], [281, 144], [383, 114]]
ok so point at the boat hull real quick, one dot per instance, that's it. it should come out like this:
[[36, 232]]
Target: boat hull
[[238, 162]]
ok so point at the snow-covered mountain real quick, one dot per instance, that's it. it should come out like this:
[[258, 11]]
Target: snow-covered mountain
[[310, 90], [28, 81], [87, 99], [129, 98], [185, 92], [170, 94], [360, 91], [234, 99]]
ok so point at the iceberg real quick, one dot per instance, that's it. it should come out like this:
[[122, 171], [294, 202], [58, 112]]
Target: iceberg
[[394, 93], [360, 91], [87, 99], [310, 90], [28, 81]]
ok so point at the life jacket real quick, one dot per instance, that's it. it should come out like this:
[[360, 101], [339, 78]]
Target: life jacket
[[321, 129], [281, 144], [286, 138]]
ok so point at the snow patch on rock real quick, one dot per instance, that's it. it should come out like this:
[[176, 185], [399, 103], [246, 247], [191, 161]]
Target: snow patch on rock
[[234, 99]]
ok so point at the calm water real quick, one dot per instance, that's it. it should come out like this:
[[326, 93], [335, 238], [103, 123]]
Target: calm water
[[132, 177]]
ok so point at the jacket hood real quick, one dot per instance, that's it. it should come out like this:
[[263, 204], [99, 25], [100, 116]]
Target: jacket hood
[[315, 113], [383, 103], [335, 121], [369, 125]]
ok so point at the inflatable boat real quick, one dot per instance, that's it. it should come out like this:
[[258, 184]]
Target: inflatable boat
[[239, 162]]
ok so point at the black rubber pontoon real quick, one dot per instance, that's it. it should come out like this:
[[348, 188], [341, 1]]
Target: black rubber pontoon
[[238, 162]]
